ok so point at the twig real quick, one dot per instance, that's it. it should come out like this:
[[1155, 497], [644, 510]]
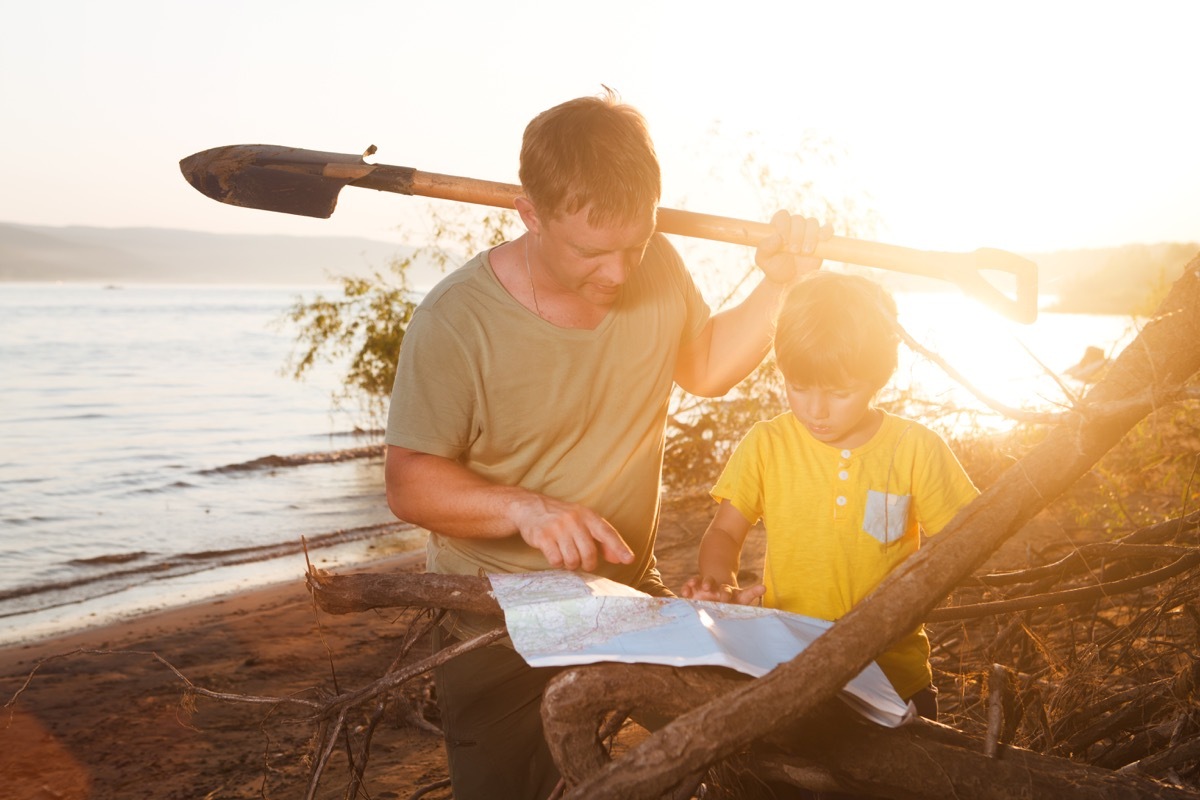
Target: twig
[[342, 703], [328, 741], [394, 679], [1064, 564], [1018, 414], [996, 680], [1073, 396], [1159, 763], [1091, 411], [415, 633], [1082, 594], [413, 717], [432, 787], [192, 687]]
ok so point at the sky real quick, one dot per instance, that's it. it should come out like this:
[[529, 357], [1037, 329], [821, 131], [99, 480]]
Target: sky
[[1025, 126]]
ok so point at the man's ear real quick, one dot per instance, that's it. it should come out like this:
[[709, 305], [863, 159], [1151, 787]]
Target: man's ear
[[529, 215]]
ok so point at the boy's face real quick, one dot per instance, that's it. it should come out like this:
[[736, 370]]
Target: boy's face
[[840, 416]]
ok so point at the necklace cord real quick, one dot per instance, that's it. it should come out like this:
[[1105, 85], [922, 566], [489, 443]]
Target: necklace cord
[[529, 272]]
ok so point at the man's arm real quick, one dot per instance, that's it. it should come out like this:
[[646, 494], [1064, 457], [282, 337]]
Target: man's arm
[[442, 495], [736, 340]]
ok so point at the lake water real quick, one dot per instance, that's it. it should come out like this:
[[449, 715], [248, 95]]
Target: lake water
[[135, 423], [130, 419]]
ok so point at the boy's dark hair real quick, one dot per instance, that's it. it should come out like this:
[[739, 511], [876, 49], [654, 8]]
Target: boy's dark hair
[[834, 328], [591, 151]]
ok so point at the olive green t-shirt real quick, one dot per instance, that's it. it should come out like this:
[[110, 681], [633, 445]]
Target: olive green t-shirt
[[578, 415]]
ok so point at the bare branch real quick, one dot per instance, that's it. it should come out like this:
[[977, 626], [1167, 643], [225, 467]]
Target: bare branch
[[192, 687], [1018, 414], [1079, 595]]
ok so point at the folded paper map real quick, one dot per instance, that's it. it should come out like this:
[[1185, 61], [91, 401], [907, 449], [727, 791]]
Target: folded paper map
[[558, 618]]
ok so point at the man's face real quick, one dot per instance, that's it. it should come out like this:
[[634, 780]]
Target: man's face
[[589, 261]]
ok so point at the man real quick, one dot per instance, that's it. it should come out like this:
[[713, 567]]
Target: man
[[527, 421]]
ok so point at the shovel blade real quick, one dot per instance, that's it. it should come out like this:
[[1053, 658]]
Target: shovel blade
[[267, 177]]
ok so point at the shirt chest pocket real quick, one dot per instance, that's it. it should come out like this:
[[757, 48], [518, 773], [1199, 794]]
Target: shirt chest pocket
[[886, 516]]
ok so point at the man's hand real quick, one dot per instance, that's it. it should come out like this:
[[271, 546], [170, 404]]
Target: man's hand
[[787, 254], [706, 588], [569, 535]]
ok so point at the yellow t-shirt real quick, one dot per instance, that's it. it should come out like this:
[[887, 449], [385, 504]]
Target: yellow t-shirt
[[838, 521], [578, 415]]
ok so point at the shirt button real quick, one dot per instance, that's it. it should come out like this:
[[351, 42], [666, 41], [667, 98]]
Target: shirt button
[[845, 454], [841, 501], [844, 475]]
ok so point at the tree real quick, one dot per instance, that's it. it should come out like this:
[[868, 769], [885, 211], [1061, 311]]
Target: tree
[[363, 328]]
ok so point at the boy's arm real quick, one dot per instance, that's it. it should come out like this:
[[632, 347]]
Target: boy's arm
[[720, 557]]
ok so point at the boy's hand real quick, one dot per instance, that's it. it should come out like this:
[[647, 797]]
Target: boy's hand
[[706, 588], [787, 254]]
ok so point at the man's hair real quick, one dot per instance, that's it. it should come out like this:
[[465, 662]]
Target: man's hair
[[835, 328], [591, 151]]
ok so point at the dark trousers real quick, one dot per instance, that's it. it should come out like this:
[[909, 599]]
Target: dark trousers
[[925, 701], [491, 705]]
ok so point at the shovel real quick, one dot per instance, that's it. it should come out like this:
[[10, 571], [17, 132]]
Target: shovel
[[307, 182]]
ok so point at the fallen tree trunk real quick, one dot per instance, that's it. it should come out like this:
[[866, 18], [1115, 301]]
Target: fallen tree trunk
[[834, 750], [1149, 372]]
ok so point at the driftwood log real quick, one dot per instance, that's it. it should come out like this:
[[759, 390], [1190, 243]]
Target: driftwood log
[[834, 750], [348, 594]]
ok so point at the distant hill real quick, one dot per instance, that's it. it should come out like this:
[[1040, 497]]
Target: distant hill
[[162, 255], [1131, 279], [1115, 280]]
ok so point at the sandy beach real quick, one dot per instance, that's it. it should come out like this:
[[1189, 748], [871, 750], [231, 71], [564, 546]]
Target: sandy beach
[[103, 718]]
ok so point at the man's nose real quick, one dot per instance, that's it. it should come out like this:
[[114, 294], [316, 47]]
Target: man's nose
[[616, 269]]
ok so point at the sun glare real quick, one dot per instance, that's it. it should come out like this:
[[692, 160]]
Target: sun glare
[[1024, 367]]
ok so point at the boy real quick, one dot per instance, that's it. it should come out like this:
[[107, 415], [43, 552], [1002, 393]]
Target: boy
[[844, 489]]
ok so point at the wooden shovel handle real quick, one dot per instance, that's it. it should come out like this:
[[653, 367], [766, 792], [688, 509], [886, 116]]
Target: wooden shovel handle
[[962, 269]]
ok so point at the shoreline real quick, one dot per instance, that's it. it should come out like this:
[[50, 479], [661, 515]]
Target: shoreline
[[132, 627], [160, 593]]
